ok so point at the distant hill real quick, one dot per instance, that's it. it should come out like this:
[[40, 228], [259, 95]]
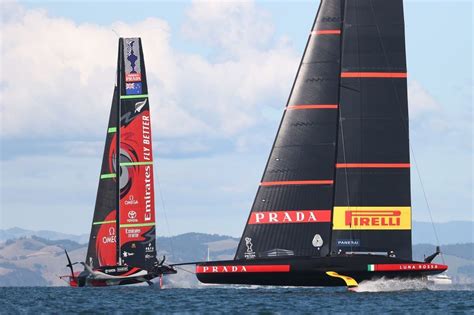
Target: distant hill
[[16, 232], [35, 261], [453, 232]]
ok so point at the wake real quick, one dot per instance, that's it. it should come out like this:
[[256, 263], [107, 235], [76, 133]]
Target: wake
[[394, 285]]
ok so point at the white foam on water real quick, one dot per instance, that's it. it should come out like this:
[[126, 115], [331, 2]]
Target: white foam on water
[[392, 285]]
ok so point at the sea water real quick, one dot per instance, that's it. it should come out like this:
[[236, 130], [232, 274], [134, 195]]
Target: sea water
[[376, 297]]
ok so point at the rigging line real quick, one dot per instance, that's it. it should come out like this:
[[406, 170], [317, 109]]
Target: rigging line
[[115, 32], [191, 272], [405, 126], [164, 213], [426, 200]]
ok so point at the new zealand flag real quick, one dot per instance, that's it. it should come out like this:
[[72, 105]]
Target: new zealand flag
[[133, 88]]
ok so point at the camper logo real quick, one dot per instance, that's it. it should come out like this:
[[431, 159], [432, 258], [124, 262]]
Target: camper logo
[[372, 218], [249, 254]]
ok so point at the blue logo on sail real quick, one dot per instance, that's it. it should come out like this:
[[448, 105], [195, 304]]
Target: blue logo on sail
[[134, 88]]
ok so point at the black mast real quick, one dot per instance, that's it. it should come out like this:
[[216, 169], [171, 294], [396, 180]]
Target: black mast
[[343, 10], [117, 157]]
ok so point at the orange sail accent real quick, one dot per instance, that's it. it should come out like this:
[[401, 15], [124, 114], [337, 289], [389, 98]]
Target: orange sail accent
[[373, 165], [298, 182], [313, 106], [326, 32], [394, 75]]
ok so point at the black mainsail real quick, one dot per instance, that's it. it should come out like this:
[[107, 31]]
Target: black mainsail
[[122, 246], [102, 249], [372, 202], [291, 213], [334, 205]]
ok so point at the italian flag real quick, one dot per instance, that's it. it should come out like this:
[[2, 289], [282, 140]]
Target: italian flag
[[371, 267]]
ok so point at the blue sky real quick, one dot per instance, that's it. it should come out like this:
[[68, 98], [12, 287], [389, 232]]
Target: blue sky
[[220, 74]]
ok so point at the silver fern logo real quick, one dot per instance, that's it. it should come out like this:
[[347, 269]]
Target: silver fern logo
[[139, 105]]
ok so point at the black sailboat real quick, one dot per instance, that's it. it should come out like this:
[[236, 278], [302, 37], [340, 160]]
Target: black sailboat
[[122, 246], [333, 206]]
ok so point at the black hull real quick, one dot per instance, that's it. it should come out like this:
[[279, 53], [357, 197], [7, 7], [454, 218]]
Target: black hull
[[308, 271], [117, 275]]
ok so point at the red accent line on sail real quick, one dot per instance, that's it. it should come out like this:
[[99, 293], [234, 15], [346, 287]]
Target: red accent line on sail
[[298, 182], [290, 216], [373, 165], [313, 106], [409, 267], [242, 268], [395, 75], [326, 32]]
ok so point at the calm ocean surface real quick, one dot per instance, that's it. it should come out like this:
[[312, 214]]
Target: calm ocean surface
[[374, 299]]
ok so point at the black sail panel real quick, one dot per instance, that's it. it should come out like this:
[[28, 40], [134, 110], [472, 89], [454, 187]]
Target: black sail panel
[[372, 207], [291, 214], [102, 242]]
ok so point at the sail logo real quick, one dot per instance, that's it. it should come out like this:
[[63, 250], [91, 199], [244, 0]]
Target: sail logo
[[111, 238], [290, 216], [372, 218], [132, 216], [149, 248], [249, 254], [146, 134], [348, 242], [132, 60], [148, 201], [131, 201], [133, 233], [127, 254], [366, 218], [139, 105]]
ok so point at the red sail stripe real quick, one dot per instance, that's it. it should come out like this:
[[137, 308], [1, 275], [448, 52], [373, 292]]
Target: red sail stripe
[[373, 165], [409, 267], [313, 106], [290, 216], [326, 32], [373, 74], [242, 268], [298, 182]]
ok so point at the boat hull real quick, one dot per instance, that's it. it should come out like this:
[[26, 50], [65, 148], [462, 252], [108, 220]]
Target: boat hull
[[309, 271], [117, 275]]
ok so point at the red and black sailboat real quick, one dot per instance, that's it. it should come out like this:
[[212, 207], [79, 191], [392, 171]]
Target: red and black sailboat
[[122, 246], [334, 207]]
